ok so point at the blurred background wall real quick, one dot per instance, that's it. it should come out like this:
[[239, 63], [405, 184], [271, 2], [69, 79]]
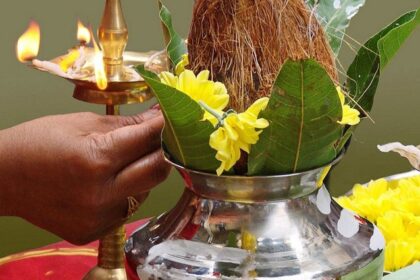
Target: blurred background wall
[[26, 94]]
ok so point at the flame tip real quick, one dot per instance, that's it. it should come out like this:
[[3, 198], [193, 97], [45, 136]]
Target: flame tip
[[83, 33], [27, 47]]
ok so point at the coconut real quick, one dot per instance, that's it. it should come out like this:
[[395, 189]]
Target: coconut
[[244, 43]]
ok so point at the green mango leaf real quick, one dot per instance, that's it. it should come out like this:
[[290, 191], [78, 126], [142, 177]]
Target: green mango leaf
[[372, 271], [185, 136], [363, 74], [335, 16], [303, 111], [345, 138], [177, 46]]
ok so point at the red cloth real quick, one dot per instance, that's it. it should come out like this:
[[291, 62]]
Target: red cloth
[[60, 261]]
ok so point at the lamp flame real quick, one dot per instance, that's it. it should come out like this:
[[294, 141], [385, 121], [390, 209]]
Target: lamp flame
[[27, 47], [83, 34], [101, 79], [100, 73]]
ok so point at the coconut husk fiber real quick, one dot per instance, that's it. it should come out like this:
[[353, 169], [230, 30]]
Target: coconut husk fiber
[[244, 43]]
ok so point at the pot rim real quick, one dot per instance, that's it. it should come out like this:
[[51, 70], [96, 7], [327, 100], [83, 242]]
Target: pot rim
[[245, 177]]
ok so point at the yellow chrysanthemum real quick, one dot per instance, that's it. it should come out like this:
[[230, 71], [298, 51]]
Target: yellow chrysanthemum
[[399, 254], [370, 202], [392, 226], [238, 132], [374, 190], [351, 116], [415, 181], [394, 207], [416, 243], [199, 88], [413, 227]]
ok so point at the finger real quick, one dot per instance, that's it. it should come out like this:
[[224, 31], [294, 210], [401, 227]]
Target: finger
[[117, 214], [156, 107], [141, 176], [115, 122], [130, 143]]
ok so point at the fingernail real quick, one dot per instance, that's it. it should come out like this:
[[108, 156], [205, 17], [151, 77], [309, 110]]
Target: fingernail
[[155, 107], [151, 113]]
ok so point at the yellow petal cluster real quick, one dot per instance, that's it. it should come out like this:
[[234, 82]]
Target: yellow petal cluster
[[399, 254], [180, 67], [394, 208], [199, 88], [238, 132], [351, 116]]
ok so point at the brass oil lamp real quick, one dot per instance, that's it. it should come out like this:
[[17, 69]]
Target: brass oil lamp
[[112, 86]]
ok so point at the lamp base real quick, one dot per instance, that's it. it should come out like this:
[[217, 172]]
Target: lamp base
[[99, 273]]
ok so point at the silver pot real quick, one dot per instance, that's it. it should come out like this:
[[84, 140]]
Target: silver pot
[[268, 227]]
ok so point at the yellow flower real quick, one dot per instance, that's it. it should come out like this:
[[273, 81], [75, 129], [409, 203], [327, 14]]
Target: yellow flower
[[399, 254], [180, 67], [416, 242], [351, 116], [374, 189], [199, 88], [392, 226], [228, 153], [237, 133], [370, 202], [394, 207], [323, 175], [413, 228], [415, 181]]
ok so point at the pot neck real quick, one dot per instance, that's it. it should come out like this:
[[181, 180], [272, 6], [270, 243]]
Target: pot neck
[[256, 189]]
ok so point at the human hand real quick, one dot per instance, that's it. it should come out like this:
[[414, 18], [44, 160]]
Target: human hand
[[72, 174]]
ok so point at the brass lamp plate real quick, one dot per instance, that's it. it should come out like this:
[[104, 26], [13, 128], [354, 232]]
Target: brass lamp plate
[[119, 92]]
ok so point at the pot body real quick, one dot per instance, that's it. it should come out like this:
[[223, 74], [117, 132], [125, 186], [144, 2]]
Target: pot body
[[274, 227]]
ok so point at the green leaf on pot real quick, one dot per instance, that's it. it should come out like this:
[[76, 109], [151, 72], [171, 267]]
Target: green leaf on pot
[[177, 46], [186, 135], [345, 138], [364, 72], [335, 16], [373, 270], [303, 111]]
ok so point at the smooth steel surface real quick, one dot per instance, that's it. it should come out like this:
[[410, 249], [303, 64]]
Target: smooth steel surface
[[257, 189], [275, 227]]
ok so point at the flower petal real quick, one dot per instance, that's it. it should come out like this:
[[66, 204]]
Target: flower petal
[[168, 79]]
